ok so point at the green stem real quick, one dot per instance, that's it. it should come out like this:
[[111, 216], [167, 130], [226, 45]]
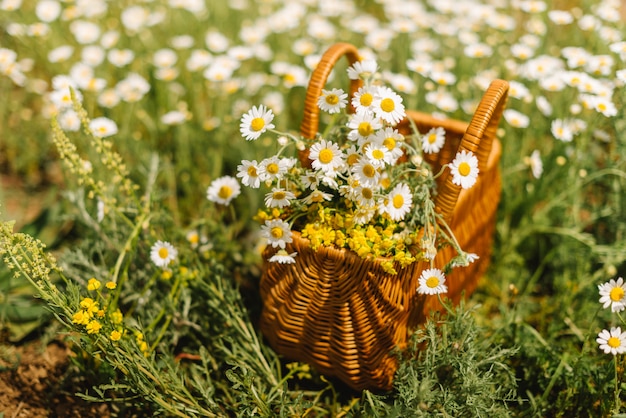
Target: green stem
[[617, 401], [128, 246]]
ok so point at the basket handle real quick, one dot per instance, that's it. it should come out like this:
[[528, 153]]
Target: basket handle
[[478, 138], [310, 121]]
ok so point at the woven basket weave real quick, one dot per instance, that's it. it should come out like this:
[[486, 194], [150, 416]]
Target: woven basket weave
[[343, 314]]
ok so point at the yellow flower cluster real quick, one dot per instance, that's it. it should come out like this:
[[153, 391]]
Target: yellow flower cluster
[[143, 345], [367, 241], [94, 318]]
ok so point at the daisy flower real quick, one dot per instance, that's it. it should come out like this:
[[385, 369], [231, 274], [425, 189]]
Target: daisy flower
[[433, 140], [388, 106], [363, 214], [255, 122], [278, 198], [163, 253], [102, 127], [224, 189], [464, 169], [613, 294], [283, 257], [366, 173], [363, 125], [48, 10], [364, 98], [604, 106], [193, 238], [391, 139], [515, 118], [133, 88], [277, 232], [364, 196], [535, 163], [174, 117], [69, 120], [62, 98], [561, 129], [432, 282], [248, 171], [362, 69], [378, 155], [352, 155], [120, 57], [326, 156], [311, 179], [612, 342], [332, 101], [273, 168], [317, 196], [399, 202]]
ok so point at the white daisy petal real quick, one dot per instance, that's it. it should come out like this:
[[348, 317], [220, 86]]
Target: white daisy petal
[[464, 169], [432, 282]]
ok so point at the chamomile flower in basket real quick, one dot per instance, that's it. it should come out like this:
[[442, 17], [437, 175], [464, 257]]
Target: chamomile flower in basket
[[361, 185], [367, 221]]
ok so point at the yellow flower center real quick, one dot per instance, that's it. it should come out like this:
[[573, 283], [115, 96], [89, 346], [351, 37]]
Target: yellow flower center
[[353, 159], [163, 253], [617, 294], [193, 238], [614, 342], [225, 192], [432, 138], [464, 169], [432, 282], [398, 201], [326, 156], [369, 170], [332, 99], [365, 129], [279, 195], [367, 193], [272, 168], [378, 154], [366, 99], [257, 124], [387, 105], [390, 143], [277, 232], [316, 196], [252, 171]]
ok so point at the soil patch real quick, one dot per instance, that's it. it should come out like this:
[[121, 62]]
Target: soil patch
[[31, 384]]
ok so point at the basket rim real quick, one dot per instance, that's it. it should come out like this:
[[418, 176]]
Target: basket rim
[[477, 138]]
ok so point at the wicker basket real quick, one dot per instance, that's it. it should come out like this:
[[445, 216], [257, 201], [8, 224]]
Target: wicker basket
[[343, 314]]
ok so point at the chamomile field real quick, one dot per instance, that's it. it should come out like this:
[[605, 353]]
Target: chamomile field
[[169, 175]]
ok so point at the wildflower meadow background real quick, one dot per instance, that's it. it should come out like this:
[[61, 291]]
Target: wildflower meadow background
[[123, 114]]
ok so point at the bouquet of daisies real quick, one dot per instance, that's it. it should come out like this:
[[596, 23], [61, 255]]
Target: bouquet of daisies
[[360, 185]]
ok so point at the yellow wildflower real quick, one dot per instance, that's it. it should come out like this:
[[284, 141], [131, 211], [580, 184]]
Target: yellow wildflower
[[93, 327], [89, 305], [387, 266], [116, 317], [93, 284], [115, 335], [80, 318], [327, 236], [111, 285]]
